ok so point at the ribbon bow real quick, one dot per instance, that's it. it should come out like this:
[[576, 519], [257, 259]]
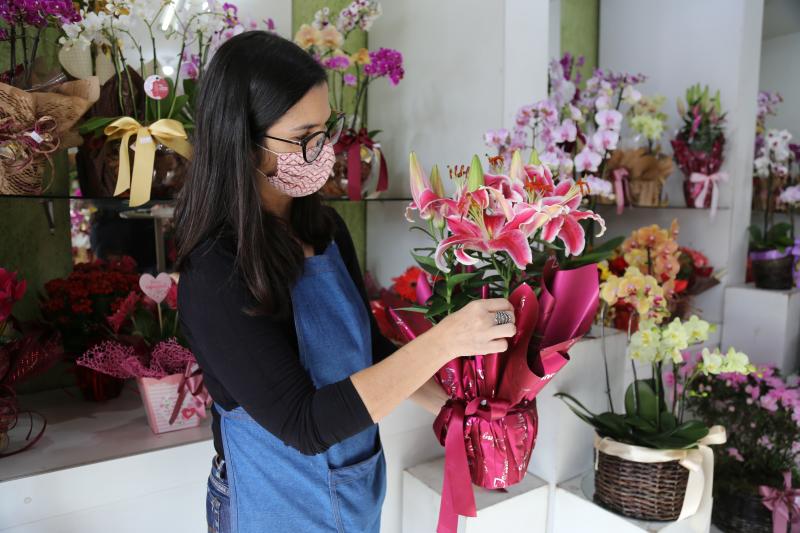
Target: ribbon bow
[[698, 461], [708, 181], [352, 145], [783, 504], [167, 132], [457, 496], [191, 382], [621, 188]]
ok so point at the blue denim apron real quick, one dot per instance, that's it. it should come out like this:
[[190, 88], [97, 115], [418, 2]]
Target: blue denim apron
[[274, 487]]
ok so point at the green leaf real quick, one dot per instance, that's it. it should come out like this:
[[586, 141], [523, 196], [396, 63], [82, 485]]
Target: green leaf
[[373, 133], [427, 263], [457, 279], [94, 124], [413, 309], [648, 402], [180, 102]]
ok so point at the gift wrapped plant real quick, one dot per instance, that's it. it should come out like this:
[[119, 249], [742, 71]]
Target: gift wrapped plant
[[654, 463], [350, 72], [147, 345], [147, 95], [26, 350], [698, 147], [77, 307], [757, 470], [499, 235]]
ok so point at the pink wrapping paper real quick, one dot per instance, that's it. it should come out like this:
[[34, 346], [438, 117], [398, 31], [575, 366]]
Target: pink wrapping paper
[[489, 425], [159, 397]]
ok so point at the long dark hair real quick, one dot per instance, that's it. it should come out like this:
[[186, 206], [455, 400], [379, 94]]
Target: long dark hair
[[250, 83]]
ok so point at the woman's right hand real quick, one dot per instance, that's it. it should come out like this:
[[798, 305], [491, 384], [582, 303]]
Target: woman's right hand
[[473, 330]]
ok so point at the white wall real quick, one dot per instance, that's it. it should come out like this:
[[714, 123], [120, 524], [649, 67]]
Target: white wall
[[780, 72], [718, 45]]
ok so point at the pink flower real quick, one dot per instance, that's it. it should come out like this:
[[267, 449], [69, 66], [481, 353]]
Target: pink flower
[[587, 160], [754, 391], [765, 442], [609, 119], [733, 452], [349, 80], [337, 62], [492, 234], [567, 131], [605, 140], [769, 402], [566, 225], [385, 62], [125, 309], [496, 138], [172, 297]]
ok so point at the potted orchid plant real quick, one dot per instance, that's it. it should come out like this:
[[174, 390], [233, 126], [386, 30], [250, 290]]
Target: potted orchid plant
[[350, 72]]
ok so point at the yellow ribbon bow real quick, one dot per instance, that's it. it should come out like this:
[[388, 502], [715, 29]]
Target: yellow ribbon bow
[[166, 131]]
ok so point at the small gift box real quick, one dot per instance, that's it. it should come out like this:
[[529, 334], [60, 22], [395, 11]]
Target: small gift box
[[168, 406]]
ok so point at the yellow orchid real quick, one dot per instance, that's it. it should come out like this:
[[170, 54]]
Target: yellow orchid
[[308, 36], [331, 38], [361, 57]]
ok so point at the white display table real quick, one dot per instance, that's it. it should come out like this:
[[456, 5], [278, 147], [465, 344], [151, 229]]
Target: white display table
[[521, 508], [99, 468]]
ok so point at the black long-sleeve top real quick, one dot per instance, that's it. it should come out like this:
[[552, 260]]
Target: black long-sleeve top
[[253, 361]]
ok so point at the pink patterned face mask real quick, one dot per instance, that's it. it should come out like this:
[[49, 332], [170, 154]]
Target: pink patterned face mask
[[295, 177]]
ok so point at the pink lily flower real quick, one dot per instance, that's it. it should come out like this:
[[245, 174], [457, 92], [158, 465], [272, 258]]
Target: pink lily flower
[[564, 225], [492, 234], [425, 200]]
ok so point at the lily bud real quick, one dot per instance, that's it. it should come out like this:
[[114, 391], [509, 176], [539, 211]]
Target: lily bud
[[417, 177], [516, 171], [436, 182], [681, 107], [475, 176], [534, 160]]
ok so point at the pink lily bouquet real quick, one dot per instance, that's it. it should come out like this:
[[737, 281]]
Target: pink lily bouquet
[[499, 234]]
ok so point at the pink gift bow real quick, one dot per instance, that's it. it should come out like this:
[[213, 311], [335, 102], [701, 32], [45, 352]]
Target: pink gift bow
[[506, 384], [783, 504], [352, 145], [708, 181], [621, 188], [191, 382]]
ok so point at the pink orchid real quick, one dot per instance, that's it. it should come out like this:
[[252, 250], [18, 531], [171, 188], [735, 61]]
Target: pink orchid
[[587, 160], [493, 233], [609, 119], [605, 140], [565, 225], [566, 132]]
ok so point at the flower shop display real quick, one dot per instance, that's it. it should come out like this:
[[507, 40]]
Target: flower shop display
[[26, 350], [146, 101], [774, 250], [77, 307], [767, 106], [359, 158], [575, 130], [756, 472], [499, 235], [698, 146], [147, 345], [652, 462]]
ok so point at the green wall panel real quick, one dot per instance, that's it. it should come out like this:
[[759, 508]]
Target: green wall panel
[[580, 27]]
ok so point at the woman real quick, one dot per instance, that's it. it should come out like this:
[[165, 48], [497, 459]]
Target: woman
[[273, 304]]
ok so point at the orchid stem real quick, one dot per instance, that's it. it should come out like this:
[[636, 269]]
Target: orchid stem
[[605, 357]]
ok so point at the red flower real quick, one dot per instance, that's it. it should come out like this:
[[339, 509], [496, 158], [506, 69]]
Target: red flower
[[123, 309], [11, 291], [618, 265], [405, 285], [82, 306], [172, 296]]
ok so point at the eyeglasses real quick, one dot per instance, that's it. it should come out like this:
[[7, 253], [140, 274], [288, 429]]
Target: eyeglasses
[[313, 143]]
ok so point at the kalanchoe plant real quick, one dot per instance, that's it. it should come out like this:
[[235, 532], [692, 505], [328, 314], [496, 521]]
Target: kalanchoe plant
[[22, 25], [12, 289]]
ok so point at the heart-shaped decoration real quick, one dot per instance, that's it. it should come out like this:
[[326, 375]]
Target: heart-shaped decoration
[[155, 288], [187, 412]]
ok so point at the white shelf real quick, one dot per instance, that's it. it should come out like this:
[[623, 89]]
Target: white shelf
[[80, 433]]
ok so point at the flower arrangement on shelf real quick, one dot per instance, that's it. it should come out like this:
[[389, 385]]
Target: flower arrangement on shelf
[[755, 473], [774, 249], [142, 90], [77, 307], [404, 291], [350, 72], [147, 345], [698, 146], [26, 350], [576, 131], [639, 173], [767, 105], [650, 447], [39, 108], [499, 234], [651, 260]]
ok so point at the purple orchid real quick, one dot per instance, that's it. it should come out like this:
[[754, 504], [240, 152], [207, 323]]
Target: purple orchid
[[385, 62]]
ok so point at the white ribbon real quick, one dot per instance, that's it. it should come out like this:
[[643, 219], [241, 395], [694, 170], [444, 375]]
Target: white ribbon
[[698, 461], [709, 181]]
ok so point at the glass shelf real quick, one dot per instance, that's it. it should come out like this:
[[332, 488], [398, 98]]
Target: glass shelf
[[110, 200]]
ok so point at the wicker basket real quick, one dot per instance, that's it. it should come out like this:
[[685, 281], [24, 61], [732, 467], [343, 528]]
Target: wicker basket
[[735, 512], [647, 491]]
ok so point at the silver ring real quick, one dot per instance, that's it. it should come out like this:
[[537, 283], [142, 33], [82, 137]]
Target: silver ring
[[501, 317]]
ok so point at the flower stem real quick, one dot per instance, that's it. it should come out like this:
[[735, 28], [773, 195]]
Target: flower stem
[[674, 388], [605, 358], [12, 53], [659, 393], [768, 207]]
